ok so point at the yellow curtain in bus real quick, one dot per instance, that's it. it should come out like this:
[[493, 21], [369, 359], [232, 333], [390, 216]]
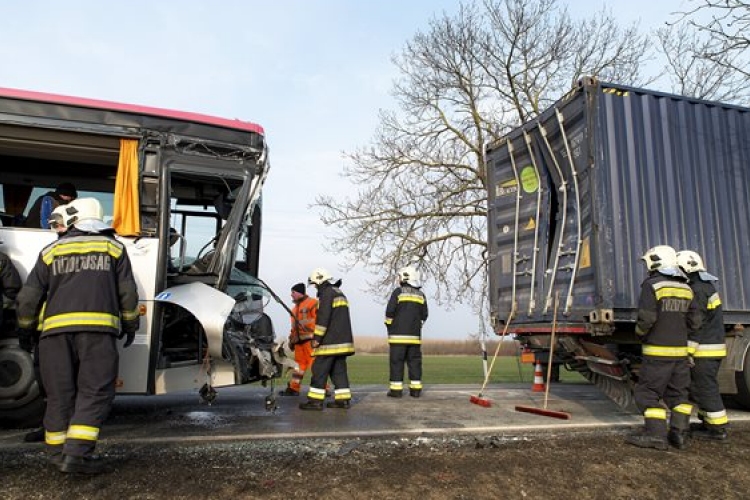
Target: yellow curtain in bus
[[127, 221]]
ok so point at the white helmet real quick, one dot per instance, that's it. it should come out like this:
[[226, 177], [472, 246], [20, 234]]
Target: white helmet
[[59, 218], [690, 261], [660, 257], [86, 214], [319, 276], [408, 275]]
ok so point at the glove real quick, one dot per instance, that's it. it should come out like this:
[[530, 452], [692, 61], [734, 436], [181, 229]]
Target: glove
[[26, 339], [129, 337]]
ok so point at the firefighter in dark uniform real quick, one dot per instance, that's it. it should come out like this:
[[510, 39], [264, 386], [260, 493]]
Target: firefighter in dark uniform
[[404, 315], [666, 316], [91, 301], [707, 347], [332, 344]]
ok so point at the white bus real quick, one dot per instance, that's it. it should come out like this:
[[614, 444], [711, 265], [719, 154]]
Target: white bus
[[184, 192]]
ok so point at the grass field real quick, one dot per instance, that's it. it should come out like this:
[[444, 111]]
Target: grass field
[[367, 369]]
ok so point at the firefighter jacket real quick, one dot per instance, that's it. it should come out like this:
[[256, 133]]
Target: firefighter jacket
[[88, 284], [708, 340], [404, 315], [333, 325], [305, 312], [10, 282], [667, 314]]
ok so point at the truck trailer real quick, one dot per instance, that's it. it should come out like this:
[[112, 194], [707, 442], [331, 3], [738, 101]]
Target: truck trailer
[[579, 193]]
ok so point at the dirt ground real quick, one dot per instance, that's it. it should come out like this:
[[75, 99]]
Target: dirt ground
[[539, 466]]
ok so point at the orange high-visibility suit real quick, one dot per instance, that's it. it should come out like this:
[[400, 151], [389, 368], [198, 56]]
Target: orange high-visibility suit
[[303, 329]]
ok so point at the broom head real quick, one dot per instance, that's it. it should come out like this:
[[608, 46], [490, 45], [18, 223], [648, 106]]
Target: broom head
[[546, 413], [479, 400]]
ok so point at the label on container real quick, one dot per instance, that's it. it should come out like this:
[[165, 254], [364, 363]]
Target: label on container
[[529, 180]]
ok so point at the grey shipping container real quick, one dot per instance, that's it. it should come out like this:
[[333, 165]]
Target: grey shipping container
[[577, 195]]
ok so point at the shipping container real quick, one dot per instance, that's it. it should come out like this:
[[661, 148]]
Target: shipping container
[[577, 195]]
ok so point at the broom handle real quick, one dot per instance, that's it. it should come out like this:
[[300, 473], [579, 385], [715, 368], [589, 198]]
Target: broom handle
[[551, 349], [497, 350]]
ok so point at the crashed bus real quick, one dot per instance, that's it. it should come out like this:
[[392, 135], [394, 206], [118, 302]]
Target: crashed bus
[[184, 194]]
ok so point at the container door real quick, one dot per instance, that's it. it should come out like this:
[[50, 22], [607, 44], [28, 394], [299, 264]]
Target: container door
[[569, 276], [518, 200]]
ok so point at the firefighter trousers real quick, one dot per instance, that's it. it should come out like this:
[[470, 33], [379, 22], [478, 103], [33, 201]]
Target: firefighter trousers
[[411, 355], [79, 372], [335, 368], [667, 380], [704, 390]]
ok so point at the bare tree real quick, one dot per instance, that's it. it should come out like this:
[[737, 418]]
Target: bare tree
[[422, 194], [693, 74], [726, 25]]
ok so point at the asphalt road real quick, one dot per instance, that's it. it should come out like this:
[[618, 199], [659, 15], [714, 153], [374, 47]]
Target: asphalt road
[[239, 413]]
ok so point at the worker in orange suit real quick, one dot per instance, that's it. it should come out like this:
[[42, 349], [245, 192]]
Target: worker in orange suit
[[305, 313]]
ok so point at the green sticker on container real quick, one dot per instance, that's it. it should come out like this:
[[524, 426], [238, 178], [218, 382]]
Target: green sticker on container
[[529, 181]]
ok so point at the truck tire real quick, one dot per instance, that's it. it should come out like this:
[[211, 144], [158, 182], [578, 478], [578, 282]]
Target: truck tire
[[743, 384], [21, 403]]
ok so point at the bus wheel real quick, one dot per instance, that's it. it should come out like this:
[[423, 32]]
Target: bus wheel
[[21, 404]]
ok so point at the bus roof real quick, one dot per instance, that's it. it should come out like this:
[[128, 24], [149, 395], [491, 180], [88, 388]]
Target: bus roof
[[28, 95]]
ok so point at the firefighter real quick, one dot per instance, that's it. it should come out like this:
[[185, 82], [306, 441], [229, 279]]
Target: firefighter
[[332, 344], [707, 348], [405, 314], [91, 301], [666, 316], [301, 335]]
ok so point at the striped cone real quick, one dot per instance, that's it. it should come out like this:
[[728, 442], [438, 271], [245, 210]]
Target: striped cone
[[538, 379]]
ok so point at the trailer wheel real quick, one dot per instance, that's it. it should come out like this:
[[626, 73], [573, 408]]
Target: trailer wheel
[[21, 404], [743, 383]]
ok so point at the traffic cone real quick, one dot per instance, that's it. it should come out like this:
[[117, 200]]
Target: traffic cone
[[538, 379]]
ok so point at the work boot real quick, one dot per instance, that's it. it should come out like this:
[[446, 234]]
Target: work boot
[[81, 465], [55, 460], [643, 440], [35, 436], [710, 433], [395, 394], [415, 393], [311, 405], [342, 403], [677, 438], [698, 426], [288, 392]]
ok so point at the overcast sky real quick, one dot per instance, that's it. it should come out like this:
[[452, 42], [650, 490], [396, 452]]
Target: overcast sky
[[313, 73]]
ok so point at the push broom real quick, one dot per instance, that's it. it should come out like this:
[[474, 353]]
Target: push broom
[[544, 411], [479, 399]]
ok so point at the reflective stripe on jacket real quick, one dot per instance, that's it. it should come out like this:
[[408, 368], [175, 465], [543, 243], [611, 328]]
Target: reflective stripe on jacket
[[708, 340], [667, 314], [333, 326], [88, 284], [303, 324], [404, 315]]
